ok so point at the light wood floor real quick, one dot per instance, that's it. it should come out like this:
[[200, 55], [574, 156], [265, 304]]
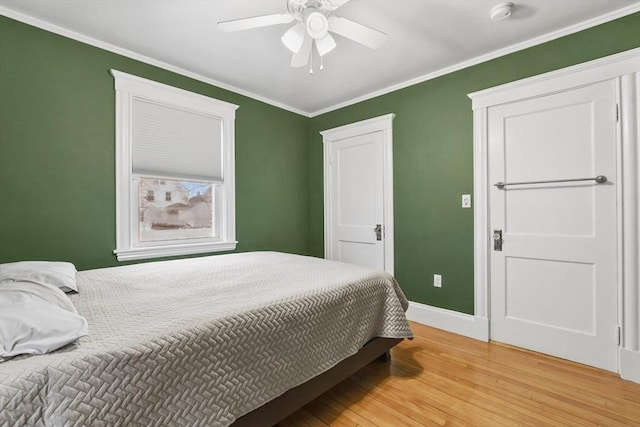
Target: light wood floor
[[441, 378]]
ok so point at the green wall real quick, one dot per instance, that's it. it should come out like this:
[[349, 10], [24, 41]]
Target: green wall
[[57, 170], [433, 159], [57, 156]]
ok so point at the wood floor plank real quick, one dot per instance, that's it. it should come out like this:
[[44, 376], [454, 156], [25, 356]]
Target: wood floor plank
[[334, 413], [379, 395], [489, 399], [441, 379], [411, 391], [364, 405], [469, 394], [552, 393], [307, 419], [553, 384]]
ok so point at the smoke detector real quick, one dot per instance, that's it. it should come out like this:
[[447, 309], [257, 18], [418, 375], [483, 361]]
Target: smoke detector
[[502, 11]]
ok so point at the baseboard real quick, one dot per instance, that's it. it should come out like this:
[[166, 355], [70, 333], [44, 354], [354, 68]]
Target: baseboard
[[630, 365], [449, 320]]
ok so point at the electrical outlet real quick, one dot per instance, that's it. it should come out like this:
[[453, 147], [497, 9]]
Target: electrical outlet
[[437, 280], [466, 200]]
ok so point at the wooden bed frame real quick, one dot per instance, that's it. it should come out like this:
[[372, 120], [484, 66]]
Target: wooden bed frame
[[292, 400]]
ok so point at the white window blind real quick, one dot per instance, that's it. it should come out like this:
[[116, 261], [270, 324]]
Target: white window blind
[[173, 142]]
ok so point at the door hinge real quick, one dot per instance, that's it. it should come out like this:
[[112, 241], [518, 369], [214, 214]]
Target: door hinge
[[619, 335], [617, 113]]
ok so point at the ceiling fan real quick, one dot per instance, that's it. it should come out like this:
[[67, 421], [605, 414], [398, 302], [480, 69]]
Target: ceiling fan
[[315, 23]]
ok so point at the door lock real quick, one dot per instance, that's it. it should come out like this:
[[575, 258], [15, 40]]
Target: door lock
[[378, 231], [497, 240]]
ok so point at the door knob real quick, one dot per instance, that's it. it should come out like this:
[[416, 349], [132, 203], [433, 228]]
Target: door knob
[[497, 240]]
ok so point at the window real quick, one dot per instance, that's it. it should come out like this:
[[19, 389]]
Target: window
[[181, 145], [189, 216]]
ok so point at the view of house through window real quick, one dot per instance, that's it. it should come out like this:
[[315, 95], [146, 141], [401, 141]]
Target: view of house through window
[[186, 211]]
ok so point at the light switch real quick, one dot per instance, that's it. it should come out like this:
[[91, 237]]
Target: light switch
[[437, 280], [466, 200]]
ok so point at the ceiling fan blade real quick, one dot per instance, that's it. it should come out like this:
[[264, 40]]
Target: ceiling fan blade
[[325, 44], [255, 22], [294, 37], [357, 32], [301, 58]]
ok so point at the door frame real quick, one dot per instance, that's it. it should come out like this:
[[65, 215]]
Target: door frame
[[382, 124], [625, 69]]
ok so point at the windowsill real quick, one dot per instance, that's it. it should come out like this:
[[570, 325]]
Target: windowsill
[[173, 250]]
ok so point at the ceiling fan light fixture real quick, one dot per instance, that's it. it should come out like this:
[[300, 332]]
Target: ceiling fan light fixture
[[316, 23], [300, 58], [325, 45], [294, 37]]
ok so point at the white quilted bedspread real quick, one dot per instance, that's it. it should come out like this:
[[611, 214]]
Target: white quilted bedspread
[[202, 341]]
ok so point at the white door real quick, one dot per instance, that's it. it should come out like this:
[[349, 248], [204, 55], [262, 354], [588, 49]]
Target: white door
[[357, 205], [554, 283]]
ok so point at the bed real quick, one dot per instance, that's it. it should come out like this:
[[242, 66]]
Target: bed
[[241, 338]]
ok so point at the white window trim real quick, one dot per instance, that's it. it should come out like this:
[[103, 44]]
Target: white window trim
[[127, 86]]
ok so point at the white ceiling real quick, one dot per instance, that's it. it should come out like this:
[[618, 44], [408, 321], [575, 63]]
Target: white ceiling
[[426, 38]]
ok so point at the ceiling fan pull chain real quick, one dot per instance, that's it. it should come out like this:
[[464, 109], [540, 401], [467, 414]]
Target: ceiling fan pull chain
[[321, 65], [311, 62]]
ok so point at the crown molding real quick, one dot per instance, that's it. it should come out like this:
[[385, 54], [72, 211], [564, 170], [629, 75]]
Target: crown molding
[[628, 10], [47, 26]]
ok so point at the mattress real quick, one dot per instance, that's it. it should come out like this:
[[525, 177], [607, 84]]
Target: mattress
[[200, 341]]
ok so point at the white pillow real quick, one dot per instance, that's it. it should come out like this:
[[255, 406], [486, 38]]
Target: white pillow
[[60, 274], [36, 318]]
